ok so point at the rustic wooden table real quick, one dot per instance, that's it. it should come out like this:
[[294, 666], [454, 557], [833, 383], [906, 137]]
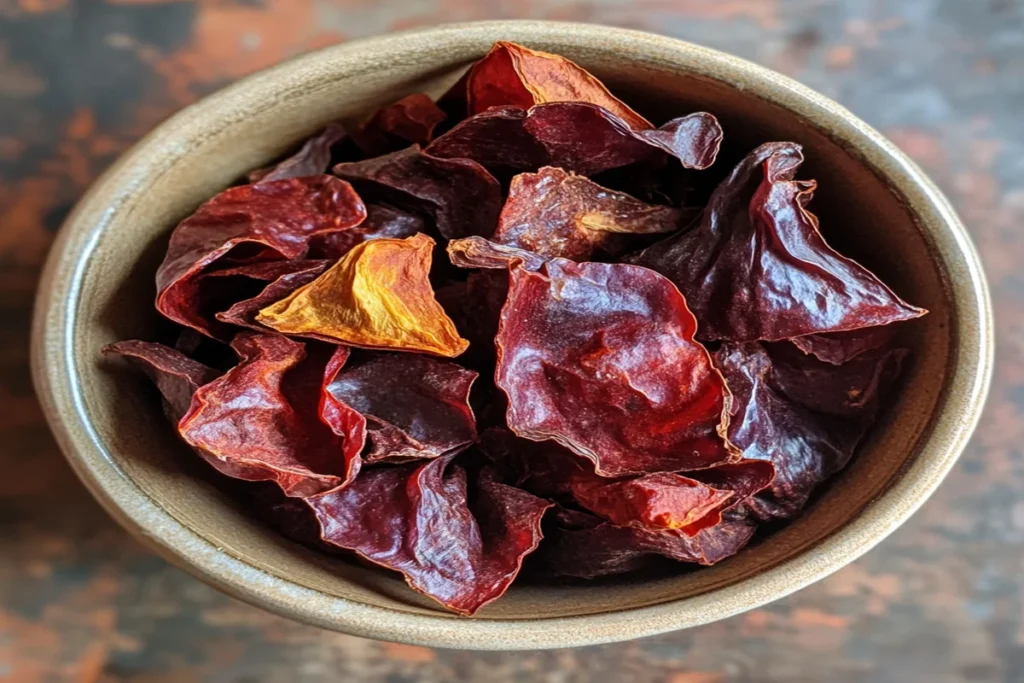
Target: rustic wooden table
[[941, 600]]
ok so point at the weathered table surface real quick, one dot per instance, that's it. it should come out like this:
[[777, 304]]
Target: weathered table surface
[[941, 600]]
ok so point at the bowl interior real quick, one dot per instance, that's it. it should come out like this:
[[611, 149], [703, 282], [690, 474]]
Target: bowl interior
[[208, 147]]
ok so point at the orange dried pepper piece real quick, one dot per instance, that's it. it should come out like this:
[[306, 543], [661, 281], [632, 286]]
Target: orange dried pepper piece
[[378, 296]]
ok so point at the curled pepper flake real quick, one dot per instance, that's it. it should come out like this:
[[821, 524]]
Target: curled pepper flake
[[588, 139], [511, 74], [284, 276], [554, 213], [578, 137], [838, 348], [274, 220], [410, 120], [807, 431], [378, 296], [415, 519], [477, 252], [600, 357], [584, 546], [382, 220], [853, 389], [654, 501], [264, 420], [496, 139], [687, 502], [459, 195], [415, 407], [175, 375], [313, 158], [757, 268]]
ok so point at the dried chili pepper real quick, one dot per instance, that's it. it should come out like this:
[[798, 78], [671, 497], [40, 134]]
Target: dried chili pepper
[[511, 74], [459, 195], [175, 375], [842, 347], [601, 358], [662, 500], [854, 389], [415, 406], [806, 444], [757, 268], [275, 220], [382, 220], [581, 545], [477, 252], [284, 276], [261, 421], [598, 140], [378, 296], [410, 120], [415, 519], [496, 139], [313, 158], [554, 213], [578, 137]]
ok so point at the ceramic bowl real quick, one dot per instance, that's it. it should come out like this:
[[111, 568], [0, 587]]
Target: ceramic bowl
[[874, 204]]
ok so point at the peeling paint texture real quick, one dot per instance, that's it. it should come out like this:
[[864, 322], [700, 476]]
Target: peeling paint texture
[[941, 601]]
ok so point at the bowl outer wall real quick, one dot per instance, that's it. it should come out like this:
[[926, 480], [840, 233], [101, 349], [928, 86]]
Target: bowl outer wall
[[56, 377]]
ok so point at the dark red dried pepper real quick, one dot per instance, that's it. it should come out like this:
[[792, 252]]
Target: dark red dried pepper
[[600, 357], [512, 74], [809, 434], [842, 347], [583, 546], [261, 421], [410, 120], [382, 220], [415, 406], [757, 268], [313, 158], [686, 502], [274, 220], [554, 213], [284, 276], [175, 375], [459, 195], [577, 137], [416, 519]]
